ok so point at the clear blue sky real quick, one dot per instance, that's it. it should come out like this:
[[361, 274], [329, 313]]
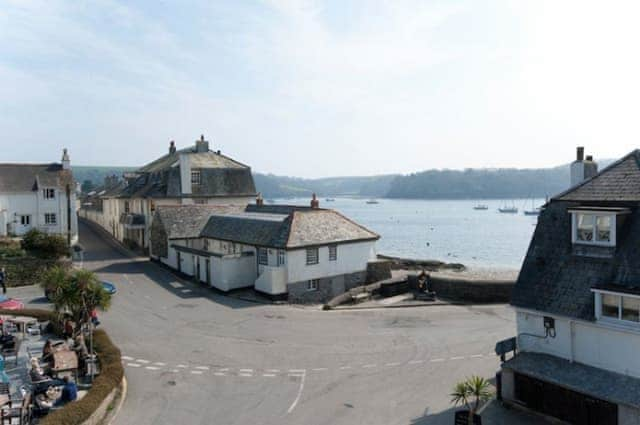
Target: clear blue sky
[[319, 88]]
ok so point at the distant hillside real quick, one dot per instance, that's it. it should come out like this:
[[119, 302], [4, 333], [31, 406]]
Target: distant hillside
[[282, 187]]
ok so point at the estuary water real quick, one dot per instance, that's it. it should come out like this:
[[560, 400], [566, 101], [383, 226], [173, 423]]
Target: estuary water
[[446, 230]]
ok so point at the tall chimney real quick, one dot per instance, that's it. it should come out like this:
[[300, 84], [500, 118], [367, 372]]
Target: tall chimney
[[172, 147], [580, 153], [314, 202], [66, 162], [202, 145], [582, 169]]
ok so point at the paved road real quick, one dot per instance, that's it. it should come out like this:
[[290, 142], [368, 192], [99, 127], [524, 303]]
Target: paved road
[[194, 356]]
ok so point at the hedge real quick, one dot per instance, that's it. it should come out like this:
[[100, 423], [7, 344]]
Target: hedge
[[27, 270], [110, 376]]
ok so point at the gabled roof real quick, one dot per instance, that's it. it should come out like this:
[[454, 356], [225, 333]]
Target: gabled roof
[[187, 221], [198, 160], [619, 181], [269, 230], [29, 177]]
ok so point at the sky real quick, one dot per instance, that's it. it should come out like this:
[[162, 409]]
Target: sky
[[320, 88]]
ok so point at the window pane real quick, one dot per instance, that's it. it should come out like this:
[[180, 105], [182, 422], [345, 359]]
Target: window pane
[[585, 227], [603, 225], [610, 305], [631, 309]]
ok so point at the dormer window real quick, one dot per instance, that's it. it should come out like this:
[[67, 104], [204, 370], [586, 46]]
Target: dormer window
[[616, 304], [595, 225]]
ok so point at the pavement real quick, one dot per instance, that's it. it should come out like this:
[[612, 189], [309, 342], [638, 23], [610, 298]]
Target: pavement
[[194, 355]]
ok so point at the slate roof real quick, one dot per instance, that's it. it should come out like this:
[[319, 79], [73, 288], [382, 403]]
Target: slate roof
[[599, 383], [187, 221], [29, 177], [557, 278], [618, 182], [302, 227]]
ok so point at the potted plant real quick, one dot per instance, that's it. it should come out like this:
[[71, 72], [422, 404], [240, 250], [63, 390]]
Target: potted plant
[[470, 393]]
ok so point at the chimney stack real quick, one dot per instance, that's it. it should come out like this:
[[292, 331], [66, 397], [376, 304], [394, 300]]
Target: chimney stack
[[172, 147], [582, 169], [259, 200], [66, 162], [202, 145], [314, 202]]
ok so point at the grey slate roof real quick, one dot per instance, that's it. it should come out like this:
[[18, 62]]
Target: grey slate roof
[[618, 182], [599, 383], [187, 221], [28, 177], [556, 279], [302, 227]]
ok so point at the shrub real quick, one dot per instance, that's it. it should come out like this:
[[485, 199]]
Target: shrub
[[44, 245]]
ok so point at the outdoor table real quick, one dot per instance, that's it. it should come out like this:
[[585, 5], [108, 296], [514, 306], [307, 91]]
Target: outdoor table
[[23, 321], [4, 399], [64, 361]]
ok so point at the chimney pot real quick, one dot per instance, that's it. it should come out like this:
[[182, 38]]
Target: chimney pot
[[172, 147], [580, 153], [589, 157]]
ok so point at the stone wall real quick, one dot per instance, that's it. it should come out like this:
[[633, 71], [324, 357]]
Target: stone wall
[[378, 270], [473, 291], [327, 288]]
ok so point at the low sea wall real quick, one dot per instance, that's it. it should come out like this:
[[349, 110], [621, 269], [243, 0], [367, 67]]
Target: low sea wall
[[471, 290]]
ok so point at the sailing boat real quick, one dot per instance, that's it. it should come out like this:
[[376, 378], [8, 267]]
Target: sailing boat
[[533, 211], [508, 210]]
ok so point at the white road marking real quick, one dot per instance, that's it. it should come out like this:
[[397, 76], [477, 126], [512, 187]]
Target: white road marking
[[202, 367], [160, 364], [393, 364], [152, 368], [295, 402], [345, 367], [127, 358], [219, 374], [133, 365], [224, 369], [182, 366], [269, 375], [246, 370], [436, 360], [297, 370], [416, 361], [196, 372], [272, 370], [367, 366], [457, 358], [246, 375], [143, 361], [475, 356], [319, 369]]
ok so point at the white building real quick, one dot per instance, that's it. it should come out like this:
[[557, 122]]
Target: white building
[[577, 302], [303, 254], [194, 175], [38, 196]]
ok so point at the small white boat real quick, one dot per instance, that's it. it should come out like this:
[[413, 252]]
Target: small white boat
[[329, 200], [508, 210], [481, 207], [372, 201]]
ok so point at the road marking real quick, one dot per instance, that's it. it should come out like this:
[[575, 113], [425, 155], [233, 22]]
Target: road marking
[[297, 370], [246, 370], [246, 375], [202, 367], [269, 375], [475, 356], [219, 374], [224, 369], [436, 360], [295, 402], [457, 358], [152, 368], [345, 367], [272, 370], [182, 366], [196, 372], [127, 358], [143, 361], [416, 361], [319, 369], [174, 370], [393, 364], [133, 365], [369, 366], [160, 364]]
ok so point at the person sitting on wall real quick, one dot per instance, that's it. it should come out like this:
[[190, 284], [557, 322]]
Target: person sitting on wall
[[47, 399], [40, 380], [69, 392]]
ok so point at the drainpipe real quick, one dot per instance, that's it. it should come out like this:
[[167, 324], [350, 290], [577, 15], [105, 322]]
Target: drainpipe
[[571, 338]]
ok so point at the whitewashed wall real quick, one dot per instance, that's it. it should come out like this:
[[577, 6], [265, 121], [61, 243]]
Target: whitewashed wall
[[352, 258], [601, 345], [229, 273]]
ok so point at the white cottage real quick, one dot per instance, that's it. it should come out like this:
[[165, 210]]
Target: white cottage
[[38, 196], [303, 254]]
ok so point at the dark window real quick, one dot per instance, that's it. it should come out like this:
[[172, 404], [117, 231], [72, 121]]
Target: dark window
[[50, 219], [312, 256], [280, 257], [312, 285], [263, 256], [195, 177], [25, 220], [126, 206], [49, 193], [333, 252]]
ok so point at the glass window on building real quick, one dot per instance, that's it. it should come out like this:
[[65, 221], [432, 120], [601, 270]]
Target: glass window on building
[[631, 309], [263, 256], [312, 256], [610, 306]]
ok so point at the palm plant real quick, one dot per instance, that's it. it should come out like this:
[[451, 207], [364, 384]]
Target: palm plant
[[470, 393], [76, 294]]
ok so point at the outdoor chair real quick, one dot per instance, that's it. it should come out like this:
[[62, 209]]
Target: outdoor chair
[[11, 351], [22, 412]]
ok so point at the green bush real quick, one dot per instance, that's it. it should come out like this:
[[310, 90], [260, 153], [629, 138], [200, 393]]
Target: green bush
[[44, 245], [111, 375], [11, 252]]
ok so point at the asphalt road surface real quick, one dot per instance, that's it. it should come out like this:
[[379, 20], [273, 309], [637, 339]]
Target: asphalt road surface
[[193, 356]]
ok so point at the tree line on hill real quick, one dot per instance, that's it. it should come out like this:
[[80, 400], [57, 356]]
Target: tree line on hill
[[481, 183]]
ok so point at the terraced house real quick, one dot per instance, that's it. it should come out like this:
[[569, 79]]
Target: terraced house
[[302, 254], [38, 196], [577, 302], [194, 175]]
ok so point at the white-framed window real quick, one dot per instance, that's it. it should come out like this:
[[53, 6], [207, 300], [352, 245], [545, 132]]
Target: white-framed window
[[263, 256], [49, 193], [195, 177], [50, 219], [281, 257], [25, 220], [594, 228], [312, 256], [617, 307], [313, 284], [333, 252]]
